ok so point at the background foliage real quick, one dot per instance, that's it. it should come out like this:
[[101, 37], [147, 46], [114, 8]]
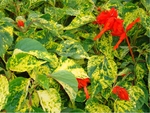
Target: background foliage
[[40, 61]]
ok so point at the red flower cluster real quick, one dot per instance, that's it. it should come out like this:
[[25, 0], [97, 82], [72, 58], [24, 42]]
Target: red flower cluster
[[82, 83], [20, 23], [121, 93], [110, 22]]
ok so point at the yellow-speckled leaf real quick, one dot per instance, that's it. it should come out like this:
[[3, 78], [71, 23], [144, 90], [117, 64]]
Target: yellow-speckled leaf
[[140, 70], [68, 82], [121, 106], [105, 45], [96, 107], [102, 71], [6, 38], [73, 49], [18, 89], [23, 62], [49, 57], [137, 96], [4, 91], [80, 20], [50, 100], [71, 66]]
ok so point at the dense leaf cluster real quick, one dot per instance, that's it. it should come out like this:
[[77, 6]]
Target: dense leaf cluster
[[45, 45]]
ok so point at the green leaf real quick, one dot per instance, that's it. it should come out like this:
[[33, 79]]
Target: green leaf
[[28, 44], [23, 62], [52, 2], [6, 38], [68, 82], [4, 91], [121, 106], [35, 99], [58, 13], [73, 49], [146, 4], [49, 57], [71, 66], [96, 107], [102, 71], [50, 100], [55, 28], [80, 20], [105, 45], [137, 96], [18, 89], [140, 70], [43, 81]]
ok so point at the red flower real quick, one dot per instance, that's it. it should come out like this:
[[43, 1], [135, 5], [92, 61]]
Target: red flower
[[82, 83], [132, 24], [117, 29], [103, 17], [20, 23], [107, 26], [121, 93]]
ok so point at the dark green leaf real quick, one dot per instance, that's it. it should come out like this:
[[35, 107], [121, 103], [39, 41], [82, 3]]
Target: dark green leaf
[[68, 82], [18, 89]]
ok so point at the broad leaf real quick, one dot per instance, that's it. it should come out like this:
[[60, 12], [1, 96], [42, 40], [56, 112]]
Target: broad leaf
[[80, 20], [28, 44], [102, 71], [96, 107], [146, 4], [73, 49], [43, 81], [6, 38], [68, 82], [71, 66], [4, 91], [105, 45], [18, 89], [140, 70], [137, 96], [50, 100], [23, 62], [121, 106]]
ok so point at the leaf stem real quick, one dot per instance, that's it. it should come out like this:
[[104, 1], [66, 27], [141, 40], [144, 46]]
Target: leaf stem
[[130, 49]]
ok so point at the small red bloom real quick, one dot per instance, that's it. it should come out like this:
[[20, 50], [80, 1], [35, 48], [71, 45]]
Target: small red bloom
[[121, 93], [82, 83], [132, 24], [20, 23], [107, 26], [117, 28], [103, 17]]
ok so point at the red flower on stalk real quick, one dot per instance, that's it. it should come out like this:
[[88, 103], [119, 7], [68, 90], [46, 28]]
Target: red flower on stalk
[[103, 17], [82, 83], [20, 23], [121, 93], [111, 22]]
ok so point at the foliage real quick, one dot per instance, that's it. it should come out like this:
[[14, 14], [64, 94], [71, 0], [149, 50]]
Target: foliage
[[45, 45]]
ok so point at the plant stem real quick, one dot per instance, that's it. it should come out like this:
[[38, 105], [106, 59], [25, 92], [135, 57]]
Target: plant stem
[[130, 49]]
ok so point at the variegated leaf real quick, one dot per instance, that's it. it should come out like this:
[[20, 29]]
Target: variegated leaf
[[121, 106], [71, 66], [137, 96], [102, 71], [68, 82], [18, 89], [96, 107], [4, 91], [6, 38], [80, 20], [50, 100], [73, 49], [23, 62]]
